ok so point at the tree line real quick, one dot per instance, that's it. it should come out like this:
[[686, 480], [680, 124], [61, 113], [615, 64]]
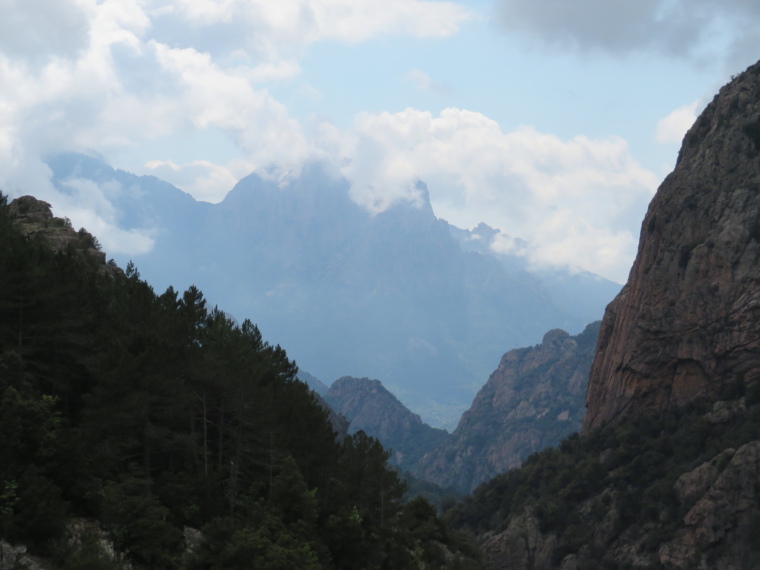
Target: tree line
[[155, 413]]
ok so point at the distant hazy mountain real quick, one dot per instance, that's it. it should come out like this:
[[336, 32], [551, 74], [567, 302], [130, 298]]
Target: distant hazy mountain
[[402, 295], [314, 383], [369, 407]]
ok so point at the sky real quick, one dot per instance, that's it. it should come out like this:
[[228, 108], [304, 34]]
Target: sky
[[553, 121]]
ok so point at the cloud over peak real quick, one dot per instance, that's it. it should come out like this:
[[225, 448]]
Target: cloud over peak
[[563, 196]]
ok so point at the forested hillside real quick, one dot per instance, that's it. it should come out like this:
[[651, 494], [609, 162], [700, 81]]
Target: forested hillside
[[156, 417]]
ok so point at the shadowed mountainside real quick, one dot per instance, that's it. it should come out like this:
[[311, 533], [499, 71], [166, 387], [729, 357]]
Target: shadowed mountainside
[[369, 407]]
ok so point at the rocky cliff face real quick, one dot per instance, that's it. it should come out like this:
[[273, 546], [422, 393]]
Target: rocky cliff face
[[369, 407], [533, 400], [685, 326], [668, 472]]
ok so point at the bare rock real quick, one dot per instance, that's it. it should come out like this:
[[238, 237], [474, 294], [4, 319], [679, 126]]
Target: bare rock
[[193, 540], [730, 502], [34, 217], [685, 325], [723, 518], [14, 557], [533, 400], [521, 546], [723, 411], [695, 483]]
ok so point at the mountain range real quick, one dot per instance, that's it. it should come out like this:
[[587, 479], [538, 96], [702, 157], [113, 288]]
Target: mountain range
[[187, 442], [533, 400], [399, 295]]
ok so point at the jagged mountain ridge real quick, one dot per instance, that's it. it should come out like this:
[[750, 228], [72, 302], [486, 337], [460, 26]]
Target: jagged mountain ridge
[[533, 400], [395, 296]]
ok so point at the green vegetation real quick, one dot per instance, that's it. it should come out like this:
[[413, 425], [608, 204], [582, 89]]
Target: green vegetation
[[626, 471], [153, 413]]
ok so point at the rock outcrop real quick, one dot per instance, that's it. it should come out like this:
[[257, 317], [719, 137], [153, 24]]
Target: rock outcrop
[[685, 325], [35, 219], [13, 557], [521, 545], [533, 400], [726, 509]]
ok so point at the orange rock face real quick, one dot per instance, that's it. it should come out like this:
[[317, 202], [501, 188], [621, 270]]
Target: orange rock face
[[687, 323]]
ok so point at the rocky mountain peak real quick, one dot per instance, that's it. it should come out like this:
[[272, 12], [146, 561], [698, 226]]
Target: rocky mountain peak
[[35, 218], [555, 337], [685, 325], [531, 401]]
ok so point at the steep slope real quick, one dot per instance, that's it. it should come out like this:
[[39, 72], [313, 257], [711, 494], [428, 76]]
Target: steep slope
[[533, 400], [369, 407], [397, 295], [146, 431], [667, 474], [677, 489], [685, 325]]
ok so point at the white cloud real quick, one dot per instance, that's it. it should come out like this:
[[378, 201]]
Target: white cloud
[[120, 88], [557, 194], [133, 73], [89, 205], [115, 74], [85, 203], [208, 96], [278, 71], [673, 127], [201, 179], [504, 243], [273, 31], [308, 21], [567, 238]]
